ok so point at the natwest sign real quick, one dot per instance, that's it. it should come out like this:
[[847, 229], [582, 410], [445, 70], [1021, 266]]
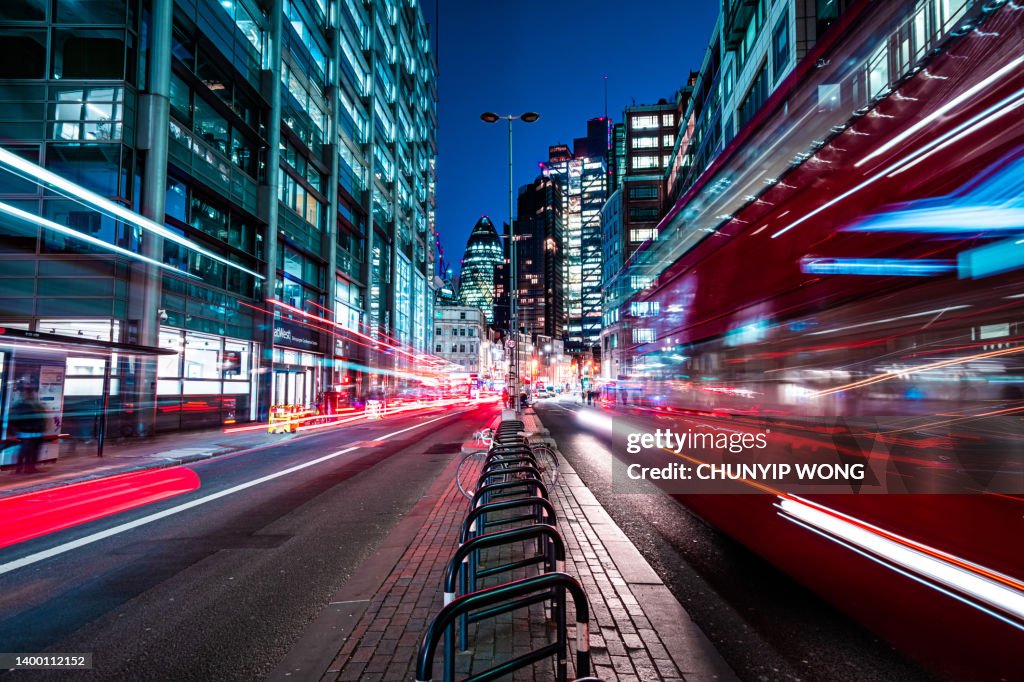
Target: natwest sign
[[292, 335]]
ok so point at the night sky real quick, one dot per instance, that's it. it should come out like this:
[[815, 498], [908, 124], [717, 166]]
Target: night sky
[[548, 56]]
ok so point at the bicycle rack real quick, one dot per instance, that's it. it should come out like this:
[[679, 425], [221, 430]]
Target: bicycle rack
[[485, 493], [544, 512], [498, 463], [463, 565], [510, 455], [488, 476], [494, 601]]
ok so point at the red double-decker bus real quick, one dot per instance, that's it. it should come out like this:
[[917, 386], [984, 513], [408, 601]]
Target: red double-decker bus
[[855, 257]]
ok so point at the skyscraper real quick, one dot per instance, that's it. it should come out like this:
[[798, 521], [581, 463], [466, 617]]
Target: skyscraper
[[582, 174], [483, 254], [539, 242], [292, 139]]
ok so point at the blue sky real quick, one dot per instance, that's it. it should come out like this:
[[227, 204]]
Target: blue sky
[[550, 57]]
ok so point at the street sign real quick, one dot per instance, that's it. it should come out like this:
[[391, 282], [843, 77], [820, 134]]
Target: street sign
[[511, 343]]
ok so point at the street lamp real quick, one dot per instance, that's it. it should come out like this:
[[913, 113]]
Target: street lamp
[[513, 290]]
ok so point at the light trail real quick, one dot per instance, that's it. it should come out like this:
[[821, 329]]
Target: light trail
[[157, 516]]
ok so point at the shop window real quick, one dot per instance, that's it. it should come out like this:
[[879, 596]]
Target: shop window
[[81, 53], [169, 366], [202, 357], [30, 46]]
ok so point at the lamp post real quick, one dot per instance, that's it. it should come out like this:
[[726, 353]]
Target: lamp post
[[513, 290]]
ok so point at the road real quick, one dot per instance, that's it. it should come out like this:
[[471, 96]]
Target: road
[[222, 589], [767, 626]]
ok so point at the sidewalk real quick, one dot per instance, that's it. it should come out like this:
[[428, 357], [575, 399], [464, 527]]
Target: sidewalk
[[372, 628], [136, 454]]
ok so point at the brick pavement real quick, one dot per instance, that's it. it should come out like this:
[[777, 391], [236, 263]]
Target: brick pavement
[[638, 630]]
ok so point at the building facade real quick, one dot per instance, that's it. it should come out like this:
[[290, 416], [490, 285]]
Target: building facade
[[754, 46], [461, 338], [483, 254], [540, 258], [286, 148], [582, 174]]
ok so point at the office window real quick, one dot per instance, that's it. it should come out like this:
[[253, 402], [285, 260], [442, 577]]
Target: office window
[[643, 192], [30, 46], [462, 348], [92, 114], [643, 162], [668, 120], [646, 142], [455, 349], [644, 122], [642, 234], [23, 10], [668, 140], [437, 348], [439, 332], [211, 126], [780, 45], [643, 335], [87, 53], [89, 11]]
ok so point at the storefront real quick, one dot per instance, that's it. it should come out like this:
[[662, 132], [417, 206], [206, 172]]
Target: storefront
[[208, 382], [74, 380], [298, 365]]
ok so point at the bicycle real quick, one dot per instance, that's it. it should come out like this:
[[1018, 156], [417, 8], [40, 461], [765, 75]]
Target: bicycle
[[542, 457]]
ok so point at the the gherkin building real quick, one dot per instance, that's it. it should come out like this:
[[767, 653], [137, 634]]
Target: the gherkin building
[[483, 253]]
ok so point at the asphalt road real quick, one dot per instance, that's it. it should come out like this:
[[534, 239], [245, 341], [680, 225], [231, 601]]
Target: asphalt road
[[223, 589], [767, 626]]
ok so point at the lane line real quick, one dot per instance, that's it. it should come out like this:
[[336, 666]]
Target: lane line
[[145, 520]]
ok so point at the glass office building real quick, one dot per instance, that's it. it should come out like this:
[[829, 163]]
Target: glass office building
[[292, 141], [483, 254]]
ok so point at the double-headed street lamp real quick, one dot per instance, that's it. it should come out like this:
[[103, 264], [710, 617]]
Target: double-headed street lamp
[[513, 290]]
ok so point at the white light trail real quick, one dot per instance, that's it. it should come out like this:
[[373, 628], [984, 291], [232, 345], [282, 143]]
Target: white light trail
[[88, 239], [39, 174], [955, 102], [953, 572]]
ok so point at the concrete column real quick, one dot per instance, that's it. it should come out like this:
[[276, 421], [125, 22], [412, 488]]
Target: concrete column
[[268, 195], [330, 236], [371, 355], [145, 280]]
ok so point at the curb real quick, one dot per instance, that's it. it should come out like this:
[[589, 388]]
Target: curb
[[688, 646]]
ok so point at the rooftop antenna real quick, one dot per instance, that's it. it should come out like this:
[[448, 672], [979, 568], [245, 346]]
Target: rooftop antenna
[[606, 96]]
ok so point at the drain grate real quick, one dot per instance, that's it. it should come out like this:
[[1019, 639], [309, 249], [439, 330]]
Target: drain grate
[[443, 448]]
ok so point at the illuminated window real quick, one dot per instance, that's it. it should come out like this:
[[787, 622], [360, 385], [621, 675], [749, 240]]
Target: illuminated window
[[643, 335], [646, 142], [644, 122], [668, 120], [642, 234], [642, 162]]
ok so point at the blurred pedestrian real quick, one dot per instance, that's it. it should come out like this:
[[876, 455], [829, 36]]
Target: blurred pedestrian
[[28, 422]]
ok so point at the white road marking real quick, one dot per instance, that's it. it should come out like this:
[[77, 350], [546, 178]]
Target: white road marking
[[145, 520]]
